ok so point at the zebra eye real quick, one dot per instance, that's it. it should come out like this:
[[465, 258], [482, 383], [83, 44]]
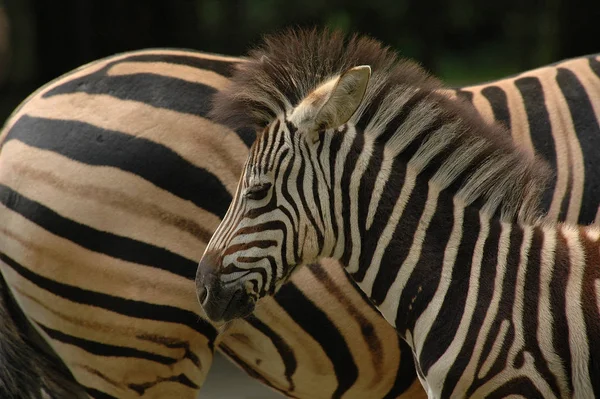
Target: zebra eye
[[258, 192]]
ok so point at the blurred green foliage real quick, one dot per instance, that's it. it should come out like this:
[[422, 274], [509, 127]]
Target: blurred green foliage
[[461, 41]]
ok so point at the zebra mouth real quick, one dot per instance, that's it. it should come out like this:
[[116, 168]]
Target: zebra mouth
[[228, 305], [221, 303]]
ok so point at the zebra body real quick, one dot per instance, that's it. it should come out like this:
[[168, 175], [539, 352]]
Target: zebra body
[[430, 210], [100, 236], [88, 171]]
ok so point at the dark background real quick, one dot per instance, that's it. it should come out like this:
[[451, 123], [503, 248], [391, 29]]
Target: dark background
[[462, 41]]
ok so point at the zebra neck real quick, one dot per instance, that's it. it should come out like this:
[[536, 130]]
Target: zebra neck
[[397, 234], [411, 194], [433, 269], [406, 255]]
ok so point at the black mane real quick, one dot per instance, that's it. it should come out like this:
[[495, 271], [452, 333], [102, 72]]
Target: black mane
[[288, 66]]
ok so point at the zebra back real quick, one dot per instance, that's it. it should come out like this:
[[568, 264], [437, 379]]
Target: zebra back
[[553, 111]]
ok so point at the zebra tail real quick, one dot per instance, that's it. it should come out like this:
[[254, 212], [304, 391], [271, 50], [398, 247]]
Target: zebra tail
[[26, 370]]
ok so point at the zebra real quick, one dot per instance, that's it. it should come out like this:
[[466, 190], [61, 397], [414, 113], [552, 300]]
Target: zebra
[[78, 183], [432, 211], [93, 214]]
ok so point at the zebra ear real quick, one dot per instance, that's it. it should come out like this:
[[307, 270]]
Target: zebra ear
[[333, 103], [345, 98]]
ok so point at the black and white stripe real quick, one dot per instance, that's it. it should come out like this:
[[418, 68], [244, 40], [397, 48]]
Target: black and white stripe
[[434, 214], [112, 180]]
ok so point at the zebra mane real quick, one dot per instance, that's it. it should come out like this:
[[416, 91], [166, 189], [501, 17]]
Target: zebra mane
[[288, 66]]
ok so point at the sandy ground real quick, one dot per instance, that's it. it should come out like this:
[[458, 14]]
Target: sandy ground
[[226, 381]]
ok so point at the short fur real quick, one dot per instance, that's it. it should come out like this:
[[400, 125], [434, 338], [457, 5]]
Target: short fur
[[289, 66]]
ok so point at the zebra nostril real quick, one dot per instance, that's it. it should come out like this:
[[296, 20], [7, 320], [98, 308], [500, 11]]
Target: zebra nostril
[[205, 276], [203, 295]]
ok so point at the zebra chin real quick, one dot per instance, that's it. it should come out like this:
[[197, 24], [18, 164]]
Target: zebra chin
[[222, 303]]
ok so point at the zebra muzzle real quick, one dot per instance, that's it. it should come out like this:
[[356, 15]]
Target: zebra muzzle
[[220, 302]]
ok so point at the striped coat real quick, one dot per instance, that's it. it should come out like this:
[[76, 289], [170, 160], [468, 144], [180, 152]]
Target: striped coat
[[112, 181], [431, 210]]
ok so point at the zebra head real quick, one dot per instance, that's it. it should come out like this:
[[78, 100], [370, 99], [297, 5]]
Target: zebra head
[[281, 214]]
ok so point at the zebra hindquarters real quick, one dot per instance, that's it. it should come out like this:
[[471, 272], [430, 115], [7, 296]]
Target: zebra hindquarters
[[81, 251]]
